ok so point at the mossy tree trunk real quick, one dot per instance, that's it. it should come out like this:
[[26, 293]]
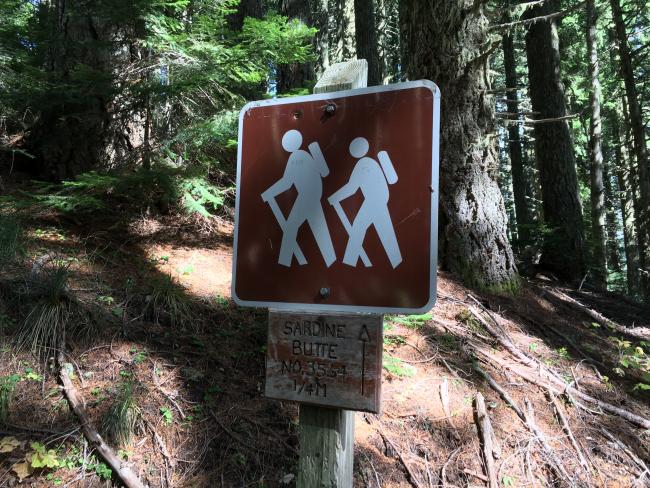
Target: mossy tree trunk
[[519, 183], [564, 247], [599, 257], [445, 41], [366, 39], [640, 148]]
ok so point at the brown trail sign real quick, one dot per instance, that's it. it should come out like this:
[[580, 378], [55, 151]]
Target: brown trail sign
[[336, 211], [337, 201]]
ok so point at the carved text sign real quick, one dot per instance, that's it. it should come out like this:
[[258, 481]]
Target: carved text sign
[[329, 360]]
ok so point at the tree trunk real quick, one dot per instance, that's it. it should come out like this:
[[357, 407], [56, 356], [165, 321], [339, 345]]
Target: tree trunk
[[626, 194], [71, 136], [564, 247], [445, 42], [640, 149], [320, 20], [613, 254], [366, 39], [246, 8], [599, 258], [295, 75], [519, 183], [342, 40]]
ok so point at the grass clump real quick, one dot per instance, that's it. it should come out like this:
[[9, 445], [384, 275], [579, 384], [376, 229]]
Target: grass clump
[[122, 418], [411, 321], [46, 322], [11, 238], [7, 390], [398, 367], [169, 304]]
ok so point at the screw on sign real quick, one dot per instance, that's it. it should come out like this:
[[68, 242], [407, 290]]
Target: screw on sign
[[337, 207]]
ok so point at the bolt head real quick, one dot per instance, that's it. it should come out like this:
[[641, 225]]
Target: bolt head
[[324, 292]]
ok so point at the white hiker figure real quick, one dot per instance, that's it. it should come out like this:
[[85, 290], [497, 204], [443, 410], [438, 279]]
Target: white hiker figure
[[373, 180], [304, 171]]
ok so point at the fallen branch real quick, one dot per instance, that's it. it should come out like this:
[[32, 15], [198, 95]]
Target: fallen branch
[[567, 430], [638, 333], [443, 470], [505, 341], [444, 397], [410, 474], [529, 422], [485, 432], [636, 459], [126, 475]]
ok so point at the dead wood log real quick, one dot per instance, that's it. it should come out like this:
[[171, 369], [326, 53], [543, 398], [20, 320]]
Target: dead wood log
[[637, 333], [123, 472], [505, 341], [444, 397], [636, 459], [567, 429], [409, 472], [529, 422], [485, 432]]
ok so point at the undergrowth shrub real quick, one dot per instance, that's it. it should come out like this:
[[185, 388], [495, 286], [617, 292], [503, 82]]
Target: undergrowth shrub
[[46, 321], [122, 418], [168, 304], [163, 188], [7, 390]]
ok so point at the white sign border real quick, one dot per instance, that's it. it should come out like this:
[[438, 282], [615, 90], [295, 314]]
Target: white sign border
[[433, 254]]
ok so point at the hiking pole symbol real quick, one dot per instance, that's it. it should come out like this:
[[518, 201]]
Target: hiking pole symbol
[[348, 228], [282, 223]]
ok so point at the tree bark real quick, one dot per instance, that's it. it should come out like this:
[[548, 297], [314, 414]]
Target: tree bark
[[640, 149], [295, 75], [71, 136], [246, 8], [613, 254], [366, 39], [564, 247], [626, 194], [599, 257], [342, 40], [445, 42], [320, 20], [519, 183]]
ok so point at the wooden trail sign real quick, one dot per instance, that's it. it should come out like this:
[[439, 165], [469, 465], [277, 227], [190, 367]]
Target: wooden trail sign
[[336, 212], [329, 360], [337, 199]]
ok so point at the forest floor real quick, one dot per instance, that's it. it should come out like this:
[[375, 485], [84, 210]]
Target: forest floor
[[193, 365]]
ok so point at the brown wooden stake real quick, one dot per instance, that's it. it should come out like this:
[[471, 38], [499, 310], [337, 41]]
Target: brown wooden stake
[[485, 431]]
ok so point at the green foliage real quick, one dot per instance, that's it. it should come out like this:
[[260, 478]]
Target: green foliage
[[163, 185], [411, 321], [398, 367], [121, 419], [633, 358], [43, 457], [167, 415], [7, 389]]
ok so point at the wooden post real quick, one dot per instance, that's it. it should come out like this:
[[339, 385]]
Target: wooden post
[[327, 434]]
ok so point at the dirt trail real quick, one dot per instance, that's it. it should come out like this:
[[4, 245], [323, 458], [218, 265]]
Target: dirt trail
[[198, 374]]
